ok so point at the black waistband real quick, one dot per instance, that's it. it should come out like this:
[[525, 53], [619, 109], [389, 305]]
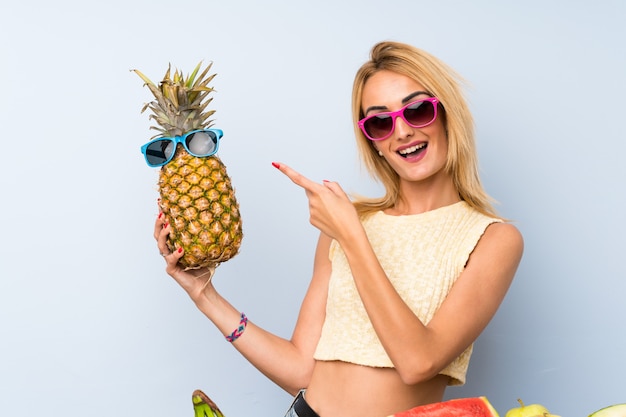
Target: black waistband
[[302, 408]]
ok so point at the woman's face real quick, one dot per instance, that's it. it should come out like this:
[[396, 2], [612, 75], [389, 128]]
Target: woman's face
[[416, 154]]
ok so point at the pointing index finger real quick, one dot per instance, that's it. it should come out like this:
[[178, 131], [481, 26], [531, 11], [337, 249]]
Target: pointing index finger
[[295, 176]]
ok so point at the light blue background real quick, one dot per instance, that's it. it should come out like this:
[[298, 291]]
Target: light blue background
[[90, 323]]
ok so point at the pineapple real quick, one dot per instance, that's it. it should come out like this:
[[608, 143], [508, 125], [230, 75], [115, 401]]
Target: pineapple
[[197, 196]]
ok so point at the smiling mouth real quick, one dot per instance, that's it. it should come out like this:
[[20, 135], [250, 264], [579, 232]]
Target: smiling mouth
[[413, 150]]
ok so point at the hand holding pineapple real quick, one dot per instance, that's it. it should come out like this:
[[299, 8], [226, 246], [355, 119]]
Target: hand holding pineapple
[[194, 281]]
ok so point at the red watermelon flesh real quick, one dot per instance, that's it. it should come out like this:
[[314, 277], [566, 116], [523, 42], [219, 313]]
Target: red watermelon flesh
[[461, 407]]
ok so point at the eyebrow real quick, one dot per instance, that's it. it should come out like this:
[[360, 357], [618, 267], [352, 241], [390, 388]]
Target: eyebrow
[[404, 101]]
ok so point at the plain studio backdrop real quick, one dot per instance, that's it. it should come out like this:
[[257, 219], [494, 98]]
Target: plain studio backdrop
[[90, 324]]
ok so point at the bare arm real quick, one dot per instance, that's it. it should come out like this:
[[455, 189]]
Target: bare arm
[[420, 352], [417, 351], [288, 363]]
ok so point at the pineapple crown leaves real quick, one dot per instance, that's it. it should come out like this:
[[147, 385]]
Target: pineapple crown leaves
[[180, 102]]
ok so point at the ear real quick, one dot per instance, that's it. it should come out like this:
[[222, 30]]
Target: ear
[[376, 148]]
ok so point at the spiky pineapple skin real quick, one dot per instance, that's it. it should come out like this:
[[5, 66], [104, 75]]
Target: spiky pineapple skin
[[198, 200]]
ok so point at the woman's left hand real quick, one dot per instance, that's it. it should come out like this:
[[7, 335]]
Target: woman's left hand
[[330, 209]]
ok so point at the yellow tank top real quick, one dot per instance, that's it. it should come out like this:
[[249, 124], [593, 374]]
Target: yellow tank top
[[423, 255]]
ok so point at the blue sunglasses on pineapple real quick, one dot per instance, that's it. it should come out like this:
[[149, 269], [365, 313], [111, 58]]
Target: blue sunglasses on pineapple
[[199, 143]]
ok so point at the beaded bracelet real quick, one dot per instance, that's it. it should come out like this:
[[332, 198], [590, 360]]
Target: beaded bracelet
[[239, 330]]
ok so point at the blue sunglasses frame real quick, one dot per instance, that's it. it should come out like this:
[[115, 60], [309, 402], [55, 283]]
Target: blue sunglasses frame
[[183, 141]]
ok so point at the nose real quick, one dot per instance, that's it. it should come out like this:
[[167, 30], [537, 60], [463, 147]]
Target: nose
[[402, 128]]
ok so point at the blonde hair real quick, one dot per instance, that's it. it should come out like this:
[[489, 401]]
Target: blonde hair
[[440, 81]]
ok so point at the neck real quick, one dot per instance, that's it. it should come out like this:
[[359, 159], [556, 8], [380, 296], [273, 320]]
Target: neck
[[420, 197]]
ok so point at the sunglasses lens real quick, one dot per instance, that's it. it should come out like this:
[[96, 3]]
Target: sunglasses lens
[[420, 113], [202, 143], [160, 151], [378, 126]]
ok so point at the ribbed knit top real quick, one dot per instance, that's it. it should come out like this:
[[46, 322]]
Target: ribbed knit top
[[422, 255]]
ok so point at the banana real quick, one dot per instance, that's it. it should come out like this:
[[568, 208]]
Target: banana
[[203, 406]]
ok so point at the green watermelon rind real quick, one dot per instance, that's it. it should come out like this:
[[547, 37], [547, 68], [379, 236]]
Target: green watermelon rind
[[617, 410], [459, 407]]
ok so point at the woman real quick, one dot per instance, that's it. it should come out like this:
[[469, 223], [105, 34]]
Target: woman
[[402, 285]]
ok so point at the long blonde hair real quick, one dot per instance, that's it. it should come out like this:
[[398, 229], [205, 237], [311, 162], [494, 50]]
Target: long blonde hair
[[440, 81]]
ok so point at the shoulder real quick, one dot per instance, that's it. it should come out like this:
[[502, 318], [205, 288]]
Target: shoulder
[[496, 257], [502, 238], [496, 229], [504, 231]]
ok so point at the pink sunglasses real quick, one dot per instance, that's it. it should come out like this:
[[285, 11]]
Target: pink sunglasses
[[416, 114]]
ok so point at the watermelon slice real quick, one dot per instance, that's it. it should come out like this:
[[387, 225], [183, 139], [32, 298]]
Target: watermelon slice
[[617, 410], [461, 407]]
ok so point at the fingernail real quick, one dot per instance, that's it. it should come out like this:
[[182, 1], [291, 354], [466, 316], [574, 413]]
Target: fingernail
[[160, 214], [180, 250], [165, 225], [276, 164], [325, 181]]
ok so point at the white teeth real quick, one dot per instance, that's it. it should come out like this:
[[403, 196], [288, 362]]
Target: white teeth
[[412, 149]]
